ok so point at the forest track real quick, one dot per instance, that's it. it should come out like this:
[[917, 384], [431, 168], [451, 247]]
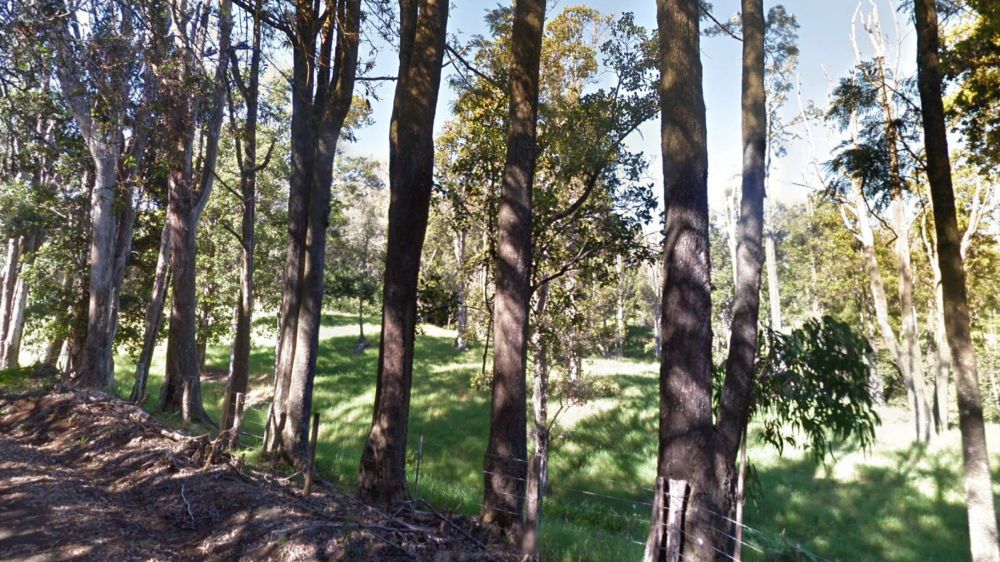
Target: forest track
[[85, 476]]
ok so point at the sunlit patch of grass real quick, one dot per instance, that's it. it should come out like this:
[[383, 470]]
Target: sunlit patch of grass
[[897, 502]]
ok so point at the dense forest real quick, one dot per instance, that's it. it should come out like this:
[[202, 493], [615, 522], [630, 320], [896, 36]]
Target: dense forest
[[522, 330]]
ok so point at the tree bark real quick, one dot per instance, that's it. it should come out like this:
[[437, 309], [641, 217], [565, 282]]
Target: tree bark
[[188, 194], [239, 367], [506, 453], [10, 346], [382, 475], [978, 485], [154, 315], [686, 432], [94, 370], [737, 391], [910, 352], [322, 91], [773, 288]]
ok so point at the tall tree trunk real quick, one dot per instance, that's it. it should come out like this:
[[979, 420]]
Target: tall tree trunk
[[910, 352], [621, 329], [11, 343], [11, 274], [773, 288], [506, 452], [382, 475], [686, 432], [187, 197], [322, 90], [154, 315], [461, 306], [181, 389], [978, 485], [239, 366], [540, 387], [94, 370], [734, 408]]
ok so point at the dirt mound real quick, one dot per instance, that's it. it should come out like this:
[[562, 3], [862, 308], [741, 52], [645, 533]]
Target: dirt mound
[[85, 476]]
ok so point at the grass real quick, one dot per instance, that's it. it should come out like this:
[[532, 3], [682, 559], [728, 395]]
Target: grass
[[898, 503]]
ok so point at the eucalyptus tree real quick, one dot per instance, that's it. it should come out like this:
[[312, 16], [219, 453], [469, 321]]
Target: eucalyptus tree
[[98, 63], [423, 32], [504, 465], [192, 121], [325, 40], [978, 484]]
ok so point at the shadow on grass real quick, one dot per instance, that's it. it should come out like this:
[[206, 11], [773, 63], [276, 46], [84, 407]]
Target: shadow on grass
[[908, 508]]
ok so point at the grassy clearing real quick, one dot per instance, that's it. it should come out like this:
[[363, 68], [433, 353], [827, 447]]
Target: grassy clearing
[[899, 503]]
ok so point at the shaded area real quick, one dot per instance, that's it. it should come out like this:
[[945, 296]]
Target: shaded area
[[899, 504], [86, 477]]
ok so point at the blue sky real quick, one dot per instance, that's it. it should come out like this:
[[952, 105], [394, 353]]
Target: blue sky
[[824, 42]]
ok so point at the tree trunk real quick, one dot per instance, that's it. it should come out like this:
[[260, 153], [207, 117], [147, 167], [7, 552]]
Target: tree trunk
[[11, 343], [773, 288], [506, 452], [94, 370], [978, 485], [461, 307], [621, 328], [540, 387], [737, 391], [11, 272], [911, 354], [154, 315], [686, 443], [239, 367], [322, 90], [382, 475], [181, 389]]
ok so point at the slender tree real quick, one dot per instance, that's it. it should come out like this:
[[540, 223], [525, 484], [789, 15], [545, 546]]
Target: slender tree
[[188, 186], [246, 158], [325, 40], [978, 484], [423, 28], [734, 409], [505, 463]]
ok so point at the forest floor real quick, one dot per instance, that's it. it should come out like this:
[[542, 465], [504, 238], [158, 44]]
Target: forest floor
[[85, 476]]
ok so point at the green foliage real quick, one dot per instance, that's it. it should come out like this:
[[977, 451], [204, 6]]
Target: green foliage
[[815, 380]]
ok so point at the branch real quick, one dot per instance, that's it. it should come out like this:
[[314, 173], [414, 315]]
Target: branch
[[722, 27], [458, 56]]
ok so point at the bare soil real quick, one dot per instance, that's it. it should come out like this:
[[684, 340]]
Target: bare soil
[[85, 476]]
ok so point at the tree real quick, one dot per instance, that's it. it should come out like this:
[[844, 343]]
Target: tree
[[978, 484], [324, 60], [506, 451], [686, 430], [248, 85], [96, 84], [737, 391], [178, 59], [423, 29]]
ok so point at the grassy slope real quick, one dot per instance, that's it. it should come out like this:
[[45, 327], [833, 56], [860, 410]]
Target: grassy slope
[[898, 503]]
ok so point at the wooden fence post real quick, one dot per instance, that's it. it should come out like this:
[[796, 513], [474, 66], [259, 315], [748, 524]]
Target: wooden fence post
[[675, 518], [666, 522], [533, 509], [312, 456]]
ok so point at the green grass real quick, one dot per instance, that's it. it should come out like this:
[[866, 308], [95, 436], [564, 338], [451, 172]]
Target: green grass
[[900, 503]]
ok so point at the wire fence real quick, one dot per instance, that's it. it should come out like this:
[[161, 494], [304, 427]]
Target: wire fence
[[596, 524]]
